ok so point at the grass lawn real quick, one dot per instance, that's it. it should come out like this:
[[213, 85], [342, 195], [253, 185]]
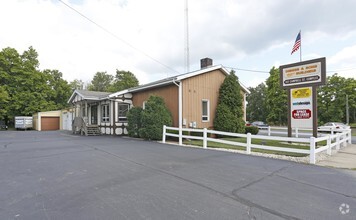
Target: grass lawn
[[255, 141]]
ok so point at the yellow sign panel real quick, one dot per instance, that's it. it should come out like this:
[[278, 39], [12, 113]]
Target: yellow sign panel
[[301, 93]]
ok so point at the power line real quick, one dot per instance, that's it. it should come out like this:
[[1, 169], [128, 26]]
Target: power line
[[117, 37], [247, 70], [261, 71]]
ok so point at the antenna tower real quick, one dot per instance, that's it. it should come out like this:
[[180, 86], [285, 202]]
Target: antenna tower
[[186, 46]]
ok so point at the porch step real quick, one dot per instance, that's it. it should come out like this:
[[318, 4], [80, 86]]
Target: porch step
[[93, 130]]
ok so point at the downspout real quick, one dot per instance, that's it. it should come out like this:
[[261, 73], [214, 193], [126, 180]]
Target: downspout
[[180, 110]]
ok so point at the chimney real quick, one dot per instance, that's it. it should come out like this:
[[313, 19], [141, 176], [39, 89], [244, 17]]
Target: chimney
[[206, 62]]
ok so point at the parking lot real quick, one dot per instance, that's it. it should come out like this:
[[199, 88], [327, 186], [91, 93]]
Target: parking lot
[[56, 175]]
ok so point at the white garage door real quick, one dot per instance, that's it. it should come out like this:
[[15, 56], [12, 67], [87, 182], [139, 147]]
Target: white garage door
[[67, 118]]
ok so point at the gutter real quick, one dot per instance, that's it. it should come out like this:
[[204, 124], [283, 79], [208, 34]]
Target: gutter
[[180, 108]]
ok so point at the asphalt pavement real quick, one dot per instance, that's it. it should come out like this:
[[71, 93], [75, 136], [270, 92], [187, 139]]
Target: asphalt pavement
[[55, 175]]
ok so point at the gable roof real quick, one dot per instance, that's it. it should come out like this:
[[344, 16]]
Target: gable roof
[[89, 95], [174, 79]]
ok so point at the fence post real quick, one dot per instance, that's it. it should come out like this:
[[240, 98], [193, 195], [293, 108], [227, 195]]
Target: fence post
[[338, 141], [205, 136], [296, 132], [329, 145], [344, 139], [248, 147], [312, 150], [164, 134], [180, 138], [269, 130], [349, 135]]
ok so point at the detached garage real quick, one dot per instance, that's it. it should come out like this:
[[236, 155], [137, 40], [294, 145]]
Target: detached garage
[[50, 123], [47, 121]]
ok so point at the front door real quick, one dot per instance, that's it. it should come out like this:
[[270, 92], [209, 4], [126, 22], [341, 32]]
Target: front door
[[94, 115]]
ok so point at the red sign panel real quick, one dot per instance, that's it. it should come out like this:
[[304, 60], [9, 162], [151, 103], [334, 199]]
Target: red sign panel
[[301, 114]]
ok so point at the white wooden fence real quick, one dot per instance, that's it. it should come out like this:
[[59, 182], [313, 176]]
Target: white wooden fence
[[296, 131], [333, 141]]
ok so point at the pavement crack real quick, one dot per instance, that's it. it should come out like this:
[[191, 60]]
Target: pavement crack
[[260, 179], [233, 197], [57, 154], [318, 187]]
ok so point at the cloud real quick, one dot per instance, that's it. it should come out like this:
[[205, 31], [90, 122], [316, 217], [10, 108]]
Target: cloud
[[344, 61], [147, 37]]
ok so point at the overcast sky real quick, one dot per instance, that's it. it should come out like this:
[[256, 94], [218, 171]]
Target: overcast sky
[[148, 37]]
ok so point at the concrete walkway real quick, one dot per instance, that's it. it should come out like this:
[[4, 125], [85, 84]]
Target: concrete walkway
[[345, 158]]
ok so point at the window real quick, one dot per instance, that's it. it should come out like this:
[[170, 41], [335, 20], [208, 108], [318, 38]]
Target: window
[[105, 117], [205, 110], [122, 111]]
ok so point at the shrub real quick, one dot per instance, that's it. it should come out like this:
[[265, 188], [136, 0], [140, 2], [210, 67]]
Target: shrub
[[229, 112], [154, 116], [251, 129], [225, 120], [134, 117]]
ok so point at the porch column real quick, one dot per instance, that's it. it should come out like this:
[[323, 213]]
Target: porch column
[[86, 109], [114, 110]]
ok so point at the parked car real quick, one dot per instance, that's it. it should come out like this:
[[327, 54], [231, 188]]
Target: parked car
[[335, 126], [247, 123], [260, 124], [3, 125]]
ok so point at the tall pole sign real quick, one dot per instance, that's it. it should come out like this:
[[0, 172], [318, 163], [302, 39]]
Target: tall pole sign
[[301, 80]]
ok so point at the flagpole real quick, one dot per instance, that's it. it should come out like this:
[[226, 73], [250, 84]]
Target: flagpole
[[300, 52]]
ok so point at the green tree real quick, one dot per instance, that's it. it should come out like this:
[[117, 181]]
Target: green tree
[[276, 100], [76, 84], [101, 82], [154, 116], [332, 99], [123, 80], [60, 89], [229, 112], [4, 96], [29, 89], [134, 118], [256, 103]]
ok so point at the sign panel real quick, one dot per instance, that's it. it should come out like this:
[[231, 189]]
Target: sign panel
[[301, 107], [307, 73]]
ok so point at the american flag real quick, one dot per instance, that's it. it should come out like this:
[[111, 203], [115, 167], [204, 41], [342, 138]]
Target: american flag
[[297, 43]]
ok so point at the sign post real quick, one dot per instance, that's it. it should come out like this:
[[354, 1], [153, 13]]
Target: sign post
[[301, 80]]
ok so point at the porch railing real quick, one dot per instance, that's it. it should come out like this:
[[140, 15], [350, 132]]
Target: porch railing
[[79, 125]]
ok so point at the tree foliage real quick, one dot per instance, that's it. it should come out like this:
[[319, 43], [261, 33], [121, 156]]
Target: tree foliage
[[4, 96], [104, 82], [123, 80], [154, 116], [229, 112], [101, 82], [28, 89], [256, 103], [134, 117], [332, 99], [276, 100], [77, 84]]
